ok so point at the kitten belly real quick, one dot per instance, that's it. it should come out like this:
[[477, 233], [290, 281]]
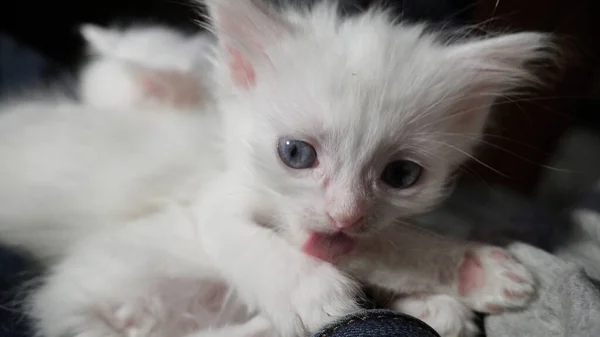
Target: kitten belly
[[328, 247]]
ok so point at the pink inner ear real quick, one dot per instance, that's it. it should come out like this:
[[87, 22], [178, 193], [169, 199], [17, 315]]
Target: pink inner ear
[[469, 116], [179, 89], [242, 71], [153, 87]]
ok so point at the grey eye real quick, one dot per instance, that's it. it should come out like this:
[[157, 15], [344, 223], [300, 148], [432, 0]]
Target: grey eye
[[296, 154], [401, 174]]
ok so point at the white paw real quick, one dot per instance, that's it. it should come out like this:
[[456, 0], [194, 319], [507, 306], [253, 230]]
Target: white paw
[[323, 297], [443, 313], [491, 280]]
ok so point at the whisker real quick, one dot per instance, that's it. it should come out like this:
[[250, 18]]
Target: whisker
[[473, 158], [429, 110], [444, 100], [421, 230], [490, 144], [472, 173]]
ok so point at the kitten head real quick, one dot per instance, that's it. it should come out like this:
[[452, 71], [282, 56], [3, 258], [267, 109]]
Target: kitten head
[[144, 66], [348, 124]]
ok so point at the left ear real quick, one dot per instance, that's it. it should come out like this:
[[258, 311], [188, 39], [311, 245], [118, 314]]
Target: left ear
[[491, 68], [101, 40], [245, 28]]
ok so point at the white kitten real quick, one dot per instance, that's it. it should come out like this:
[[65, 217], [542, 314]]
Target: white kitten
[[145, 67], [333, 130], [336, 128]]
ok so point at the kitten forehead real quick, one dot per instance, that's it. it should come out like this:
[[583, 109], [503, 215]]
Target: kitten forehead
[[365, 73], [365, 85]]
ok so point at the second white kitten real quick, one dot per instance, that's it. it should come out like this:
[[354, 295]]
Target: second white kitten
[[146, 67]]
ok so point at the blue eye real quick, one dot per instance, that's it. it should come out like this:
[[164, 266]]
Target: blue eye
[[296, 154], [401, 174]]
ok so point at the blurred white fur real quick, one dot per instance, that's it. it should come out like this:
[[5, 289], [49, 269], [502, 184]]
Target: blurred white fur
[[146, 67], [135, 208]]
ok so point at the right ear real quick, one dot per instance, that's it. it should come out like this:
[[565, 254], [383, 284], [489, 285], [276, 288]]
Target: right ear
[[244, 28], [101, 40]]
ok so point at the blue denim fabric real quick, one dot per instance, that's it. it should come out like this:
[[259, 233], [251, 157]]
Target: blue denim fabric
[[378, 323], [23, 68], [18, 64]]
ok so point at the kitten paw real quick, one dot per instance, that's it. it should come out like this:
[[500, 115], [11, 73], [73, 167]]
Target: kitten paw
[[443, 313], [323, 297], [491, 280]]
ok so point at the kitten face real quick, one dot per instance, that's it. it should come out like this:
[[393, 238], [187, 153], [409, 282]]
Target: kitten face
[[351, 124], [378, 154]]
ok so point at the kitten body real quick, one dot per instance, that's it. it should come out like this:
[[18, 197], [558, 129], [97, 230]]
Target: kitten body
[[363, 93], [71, 169], [146, 67]]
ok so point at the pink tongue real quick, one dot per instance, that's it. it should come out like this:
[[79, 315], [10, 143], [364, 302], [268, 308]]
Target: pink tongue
[[328, 247]]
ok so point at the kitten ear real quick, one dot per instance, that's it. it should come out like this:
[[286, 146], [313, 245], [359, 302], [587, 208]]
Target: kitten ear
[[101, 40], [491, 68], [170, 87], [244, 28], [501, 62]]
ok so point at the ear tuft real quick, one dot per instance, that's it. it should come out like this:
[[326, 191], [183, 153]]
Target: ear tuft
[[505, 63], [487, 69], [101, 40]]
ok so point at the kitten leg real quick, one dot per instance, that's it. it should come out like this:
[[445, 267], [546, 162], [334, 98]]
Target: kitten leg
[[445, 314], [491, 280], [298, 293], [408, 261]]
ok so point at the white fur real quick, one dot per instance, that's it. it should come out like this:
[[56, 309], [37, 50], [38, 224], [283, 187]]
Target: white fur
[[70, 169], [127, 64], [445, 314], [155, 280], [362, 91]]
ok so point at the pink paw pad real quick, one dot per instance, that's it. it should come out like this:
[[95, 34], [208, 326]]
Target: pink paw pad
[[491, 280], [470, 274]]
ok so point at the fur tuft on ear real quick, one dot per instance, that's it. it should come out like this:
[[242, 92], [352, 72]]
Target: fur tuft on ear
[[101, 40], [491, 68], [502, 63], [244, 29]]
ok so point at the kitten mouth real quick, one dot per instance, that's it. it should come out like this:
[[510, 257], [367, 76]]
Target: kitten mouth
[[328, 247]]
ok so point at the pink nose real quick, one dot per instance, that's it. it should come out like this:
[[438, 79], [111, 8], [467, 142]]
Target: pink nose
[[346, 221]]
